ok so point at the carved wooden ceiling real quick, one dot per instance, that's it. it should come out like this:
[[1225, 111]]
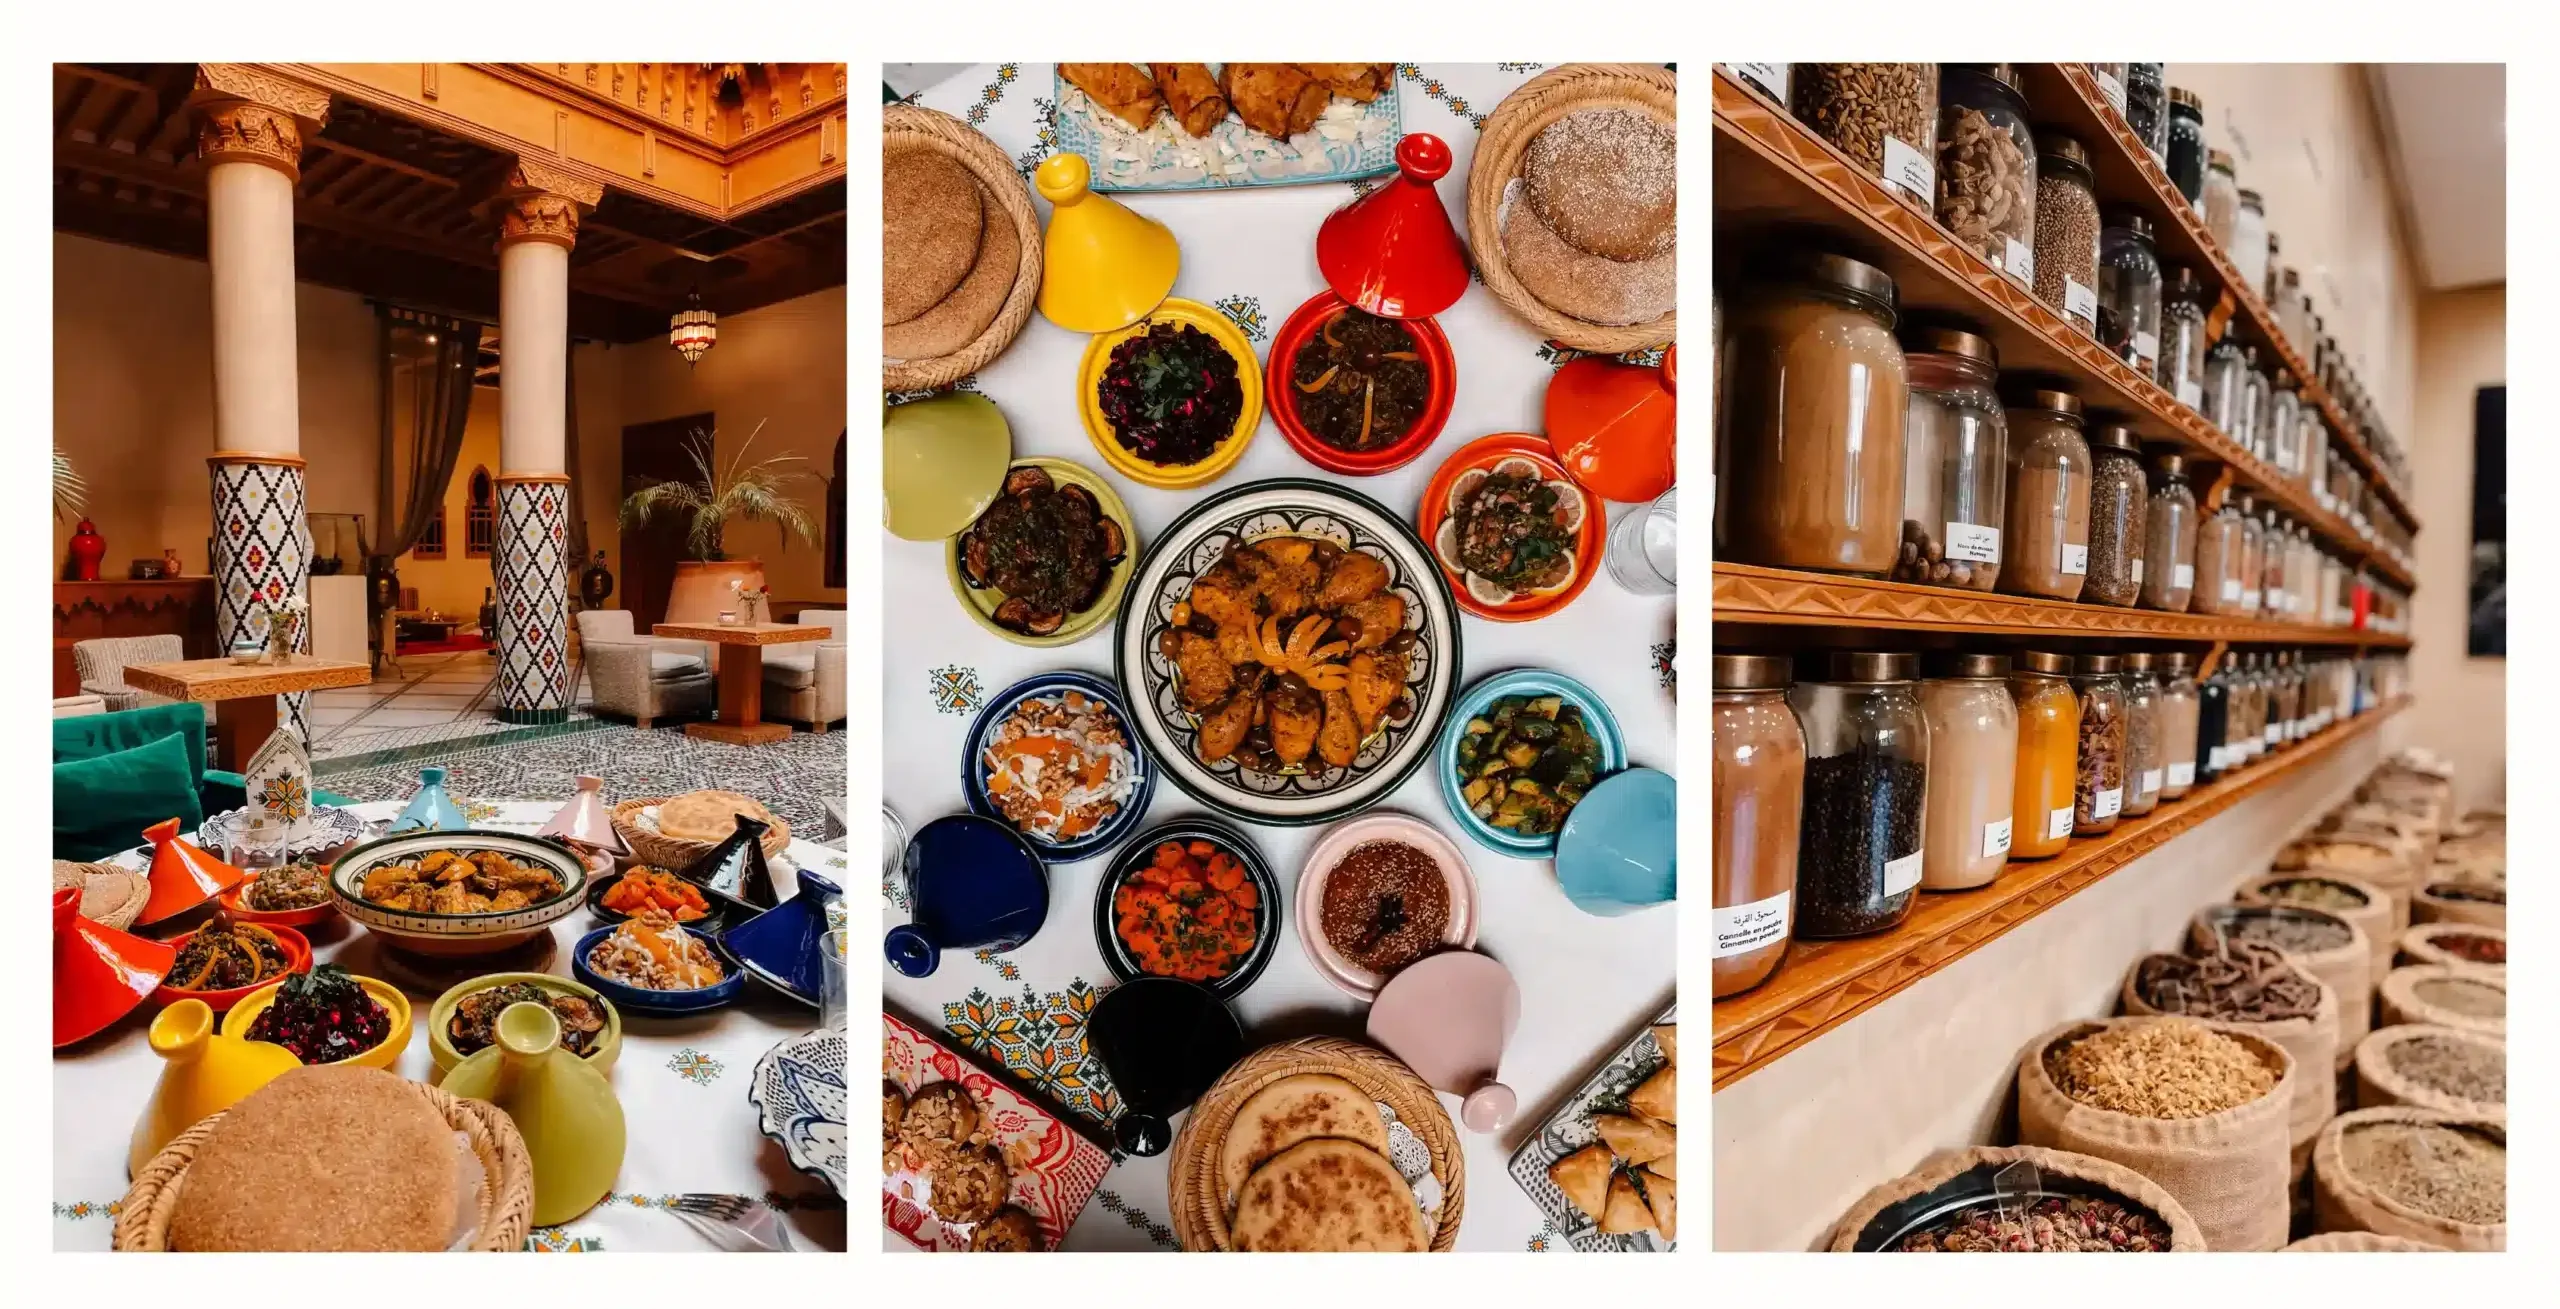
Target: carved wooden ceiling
[[389, 205]]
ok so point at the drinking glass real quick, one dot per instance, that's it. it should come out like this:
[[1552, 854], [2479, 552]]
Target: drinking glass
[[257, 845], [1644, 547], [832, 1004]]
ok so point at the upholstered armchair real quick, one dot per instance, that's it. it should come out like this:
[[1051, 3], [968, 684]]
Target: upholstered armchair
[[101, 662], [804, 681], [637, 675]]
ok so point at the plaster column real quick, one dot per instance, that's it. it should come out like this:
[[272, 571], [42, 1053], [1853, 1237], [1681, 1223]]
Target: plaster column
[[249, 132], [538, 227]]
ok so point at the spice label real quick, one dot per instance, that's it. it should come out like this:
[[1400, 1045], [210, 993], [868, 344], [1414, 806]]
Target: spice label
[[2218, 758], [1743, 928], [2191, 394], [2275, 733], [2249, 598], [2021, 260], [1973, 543], [2078, 301], [2182, 774], [2137, 572], [1901, 874], [1909, 169], [2107, 803], [2275, 599], [2075, 558], [2057, 824], [2150, 782], [1995, 838], [1771, 78], [2146, 351], [2113, 89], [2230, 588], [2183, 577]]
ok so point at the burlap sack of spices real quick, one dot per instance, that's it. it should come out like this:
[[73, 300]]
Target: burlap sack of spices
[[2348, 969], [2230, 1169], [2360, 1243], [2424, 944], [2420, 994], [1947, 1165], [2313, 1043], [2380, 917], [2379, 1082], [2434, 904], [2377, 858], [2344, 1202]]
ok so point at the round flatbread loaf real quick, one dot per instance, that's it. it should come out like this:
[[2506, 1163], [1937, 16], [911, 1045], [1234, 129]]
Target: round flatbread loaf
[[1295, 1108], [1607, 181], [1329, 1194], [965, 312], [1586, 286], [322, 1158], [930, 223], [708, 815]]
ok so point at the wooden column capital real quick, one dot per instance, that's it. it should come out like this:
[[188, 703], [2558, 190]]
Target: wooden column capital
[[539, 200], [245, 114]]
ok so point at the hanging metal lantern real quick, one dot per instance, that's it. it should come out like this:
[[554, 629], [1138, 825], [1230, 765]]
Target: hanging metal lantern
[[694, 330]]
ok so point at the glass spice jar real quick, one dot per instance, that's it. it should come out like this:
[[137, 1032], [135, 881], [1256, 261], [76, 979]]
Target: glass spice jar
[[2275, 545], [2249, 239], [1866, 779], [1987, 167], [1758, 816], [2254, 391], [2146, 106], [2144, 770], [2046, 546], [2111, 83], [2217, 563], [2186, 143], [2119, 514], [1954, 462], [2221, 199], [1883, 116], [2253, 557], [2275, 268], [2048, 754], [2169, 538], [2284, 422], [2182, 338], [1811, 424], [2129, 291], [2213, 725], [2226, 387], [2179, 709], [1973, 764], [2066, 240], [2097, 797]]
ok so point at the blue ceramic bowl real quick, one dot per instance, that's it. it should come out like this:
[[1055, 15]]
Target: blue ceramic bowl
[[1619, 851], [1106, 927], [660, 1004], [781, 945], [972, 884], [1479, 698], [973, 773]]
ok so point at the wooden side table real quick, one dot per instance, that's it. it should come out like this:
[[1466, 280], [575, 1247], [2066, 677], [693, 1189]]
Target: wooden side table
[[741, 675], [246, 694]]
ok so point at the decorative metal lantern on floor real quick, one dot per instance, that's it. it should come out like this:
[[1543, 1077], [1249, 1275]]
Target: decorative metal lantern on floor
[[694, 329]]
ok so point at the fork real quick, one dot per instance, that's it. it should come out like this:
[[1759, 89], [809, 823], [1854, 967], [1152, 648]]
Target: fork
[[734, 1223]]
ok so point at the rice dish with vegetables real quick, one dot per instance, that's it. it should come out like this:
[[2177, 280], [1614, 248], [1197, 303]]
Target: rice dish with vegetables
[[1059, 767], [652, 953]]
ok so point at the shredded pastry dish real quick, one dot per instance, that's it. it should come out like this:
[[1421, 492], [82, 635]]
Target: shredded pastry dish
[[652, 953], [1059, 766]]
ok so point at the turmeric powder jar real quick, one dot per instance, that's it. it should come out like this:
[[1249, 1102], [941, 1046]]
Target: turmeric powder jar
[[2048, 754]]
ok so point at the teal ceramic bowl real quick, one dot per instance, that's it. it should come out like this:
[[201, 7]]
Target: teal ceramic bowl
[[1477, 700]]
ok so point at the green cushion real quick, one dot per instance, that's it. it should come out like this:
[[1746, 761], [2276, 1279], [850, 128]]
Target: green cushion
[[102, 803], [91, 735]]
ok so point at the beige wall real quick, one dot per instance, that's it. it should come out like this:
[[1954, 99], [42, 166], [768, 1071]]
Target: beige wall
[[453, 584], [2462, 705], [133, 397]]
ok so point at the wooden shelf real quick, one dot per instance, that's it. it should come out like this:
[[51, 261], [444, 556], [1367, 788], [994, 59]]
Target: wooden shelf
[[1773, 175], [2067, 96], [1824, 984], [1745, 593]]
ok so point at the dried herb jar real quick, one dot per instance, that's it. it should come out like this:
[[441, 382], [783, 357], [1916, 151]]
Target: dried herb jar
[[2221, 198], [2066, 231], [2119, 516], [2145, 753], [2218, 559], [2040, 809], [1987, 167], [1973, 769], [1866, 781], [2046, 544], [1954, 462], [1883, 116], [2097, 797], [2169, 538], [1759, 813]]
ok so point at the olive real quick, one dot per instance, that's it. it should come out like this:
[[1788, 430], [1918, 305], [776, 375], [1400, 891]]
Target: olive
[[1345, 628], [1167, 641], [1403, 642], [1402, 710]]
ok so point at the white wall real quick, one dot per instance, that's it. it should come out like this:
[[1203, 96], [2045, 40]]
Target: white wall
[[2462, 706]]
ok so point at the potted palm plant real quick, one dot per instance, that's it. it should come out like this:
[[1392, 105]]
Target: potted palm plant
[[707, 503]]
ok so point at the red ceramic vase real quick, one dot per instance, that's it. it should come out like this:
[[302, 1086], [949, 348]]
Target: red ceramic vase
[[1394, 251], [182, 874], [1614, 426], [99, 973], [87, 548]]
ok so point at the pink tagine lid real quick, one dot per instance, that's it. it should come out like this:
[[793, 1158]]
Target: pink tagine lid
[[1394, 252], [585, 820], [1448, 1018]]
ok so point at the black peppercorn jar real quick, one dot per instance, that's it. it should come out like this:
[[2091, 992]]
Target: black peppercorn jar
[[1865, 784], [2146, 105], [2213, 724], [2097, 799], [2186, 143]]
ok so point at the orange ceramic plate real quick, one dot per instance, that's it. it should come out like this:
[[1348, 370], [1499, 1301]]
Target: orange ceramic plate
[[1484, 453], [236, 903]]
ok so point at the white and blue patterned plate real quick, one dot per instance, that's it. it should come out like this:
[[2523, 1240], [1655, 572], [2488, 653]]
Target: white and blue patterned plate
[[799, 1094], [1351, 141], [1569, 1129], [331, 827]]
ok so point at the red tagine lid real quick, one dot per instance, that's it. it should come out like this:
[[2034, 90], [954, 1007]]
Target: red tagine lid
[[1614, 426], [1394, 252], [183, 875], [99, 973]]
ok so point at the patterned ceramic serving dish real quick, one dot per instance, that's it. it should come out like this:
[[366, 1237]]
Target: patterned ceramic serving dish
[[1569, 1129], [1052, 686], [1351, 141], [456, 934], [799, 1095], [1055, 1168], [1193, 545]]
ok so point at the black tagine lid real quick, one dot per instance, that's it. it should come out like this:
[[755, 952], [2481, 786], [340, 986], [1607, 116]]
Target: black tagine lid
[[2044, 661], [1871, 666], [2098, 663], [1965, 663], [1750, 672]]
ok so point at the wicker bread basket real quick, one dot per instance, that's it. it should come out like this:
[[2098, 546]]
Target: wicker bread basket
[[86, 877], [1568, 88], [1199, 1202], [669, 852], [506, 1196], [907, 127]]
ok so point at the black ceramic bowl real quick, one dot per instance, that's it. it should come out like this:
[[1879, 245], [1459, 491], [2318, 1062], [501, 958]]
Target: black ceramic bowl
[[1976, 1188], [1140, 852], [726, 910]]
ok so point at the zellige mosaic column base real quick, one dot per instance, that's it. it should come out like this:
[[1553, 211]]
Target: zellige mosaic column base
[[261, 554], [531, 569]]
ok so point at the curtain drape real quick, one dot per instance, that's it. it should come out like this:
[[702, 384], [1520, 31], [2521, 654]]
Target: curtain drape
[[440, 411], [576, 471]]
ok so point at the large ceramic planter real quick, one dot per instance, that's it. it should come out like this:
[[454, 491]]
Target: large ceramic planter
[[701, 588]]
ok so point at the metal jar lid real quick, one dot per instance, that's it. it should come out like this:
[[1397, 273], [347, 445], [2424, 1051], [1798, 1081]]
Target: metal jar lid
[[1966, 664], [2171, 466], [2051, 144], [1941, 339], [2037, 397], [2097, 665], [2178, 663], [2252, 200], [2005, 74], [2183, 284], [2129, 220], [2179, 95], [2218, 159], [2116, 436], [2244, 502], [2044, 661], [1750, 672], [1840, 272], [1872, 666], [2141, 662]]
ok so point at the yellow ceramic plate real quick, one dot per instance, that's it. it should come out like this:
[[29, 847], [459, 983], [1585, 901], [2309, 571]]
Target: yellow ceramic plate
[[1171, 477], [942, 463], [236, 1023], [981, 602]]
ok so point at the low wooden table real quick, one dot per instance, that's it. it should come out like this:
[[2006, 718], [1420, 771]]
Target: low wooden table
[[741, 675], [246, 693]]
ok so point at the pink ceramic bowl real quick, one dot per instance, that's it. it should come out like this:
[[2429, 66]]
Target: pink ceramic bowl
[[1339, 841]]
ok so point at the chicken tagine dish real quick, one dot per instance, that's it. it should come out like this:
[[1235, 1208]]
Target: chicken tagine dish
[[1292, 654], [454, 882]]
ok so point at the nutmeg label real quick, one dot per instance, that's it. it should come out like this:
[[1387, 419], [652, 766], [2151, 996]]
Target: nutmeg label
[[1973, 542]]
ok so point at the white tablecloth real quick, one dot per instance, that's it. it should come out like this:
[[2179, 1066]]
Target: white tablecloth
[[1586, 983], [683, 1085]]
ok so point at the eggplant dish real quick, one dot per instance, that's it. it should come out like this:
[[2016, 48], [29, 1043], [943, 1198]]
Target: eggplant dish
[[1047, 548]]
